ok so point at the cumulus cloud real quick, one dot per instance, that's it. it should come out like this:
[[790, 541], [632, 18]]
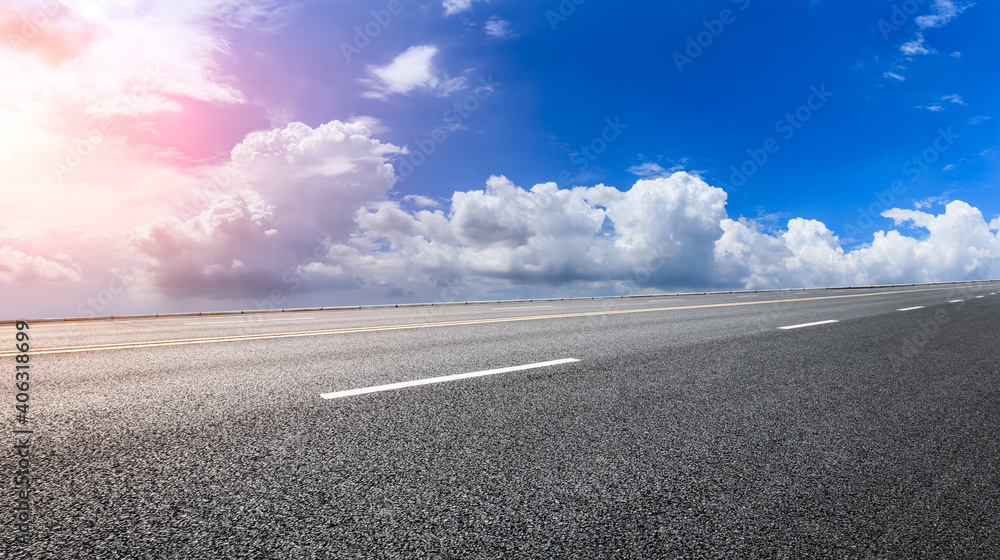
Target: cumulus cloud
[[16, 266], [301, 190], [412, 70], [313, 212], [226, 250], [549, 235], [956, 245], [665, 233]]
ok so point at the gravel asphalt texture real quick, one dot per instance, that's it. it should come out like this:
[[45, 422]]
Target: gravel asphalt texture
[[705, 432]]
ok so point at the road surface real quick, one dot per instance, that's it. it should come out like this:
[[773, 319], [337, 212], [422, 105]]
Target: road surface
[[814, 424]]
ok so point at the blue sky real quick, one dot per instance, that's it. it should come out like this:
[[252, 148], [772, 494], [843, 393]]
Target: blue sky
[[328, 152], [558, 87]]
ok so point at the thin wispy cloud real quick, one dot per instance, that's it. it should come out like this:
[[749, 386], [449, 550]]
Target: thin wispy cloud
[[420, 200], [915, 47], [452, 7], [498, 28], [413, 70], [647, 169], [651, 169], [947, 11]]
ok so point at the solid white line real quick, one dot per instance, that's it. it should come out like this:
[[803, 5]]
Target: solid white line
[[513, 308], [790, 327], [911, 308], [956, 301], [250, 321], [431, 380], [980, 297]]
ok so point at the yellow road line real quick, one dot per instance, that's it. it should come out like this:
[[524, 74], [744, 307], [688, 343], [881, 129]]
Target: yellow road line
[[350, 330]]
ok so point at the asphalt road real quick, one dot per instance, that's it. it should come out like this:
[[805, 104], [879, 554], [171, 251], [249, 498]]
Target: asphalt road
[[689, 427]]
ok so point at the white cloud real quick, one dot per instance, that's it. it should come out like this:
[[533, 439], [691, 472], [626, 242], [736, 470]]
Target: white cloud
[[16, 266], [664, 233], [301, 188], [421, 201], [957, 99], [225, 250], [117, 67], [958, 245], [995, 224], [551, 235], [651, 169], [374, 124], [314, 214], [915, 47], [647, 169], [935, 108], [979, 119], [452, 7], [412, 70], [498, 28], [930, 201], [947, 10]]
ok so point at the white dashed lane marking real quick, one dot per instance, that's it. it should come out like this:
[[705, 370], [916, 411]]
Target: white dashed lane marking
[[817, 323], [443, 379]]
